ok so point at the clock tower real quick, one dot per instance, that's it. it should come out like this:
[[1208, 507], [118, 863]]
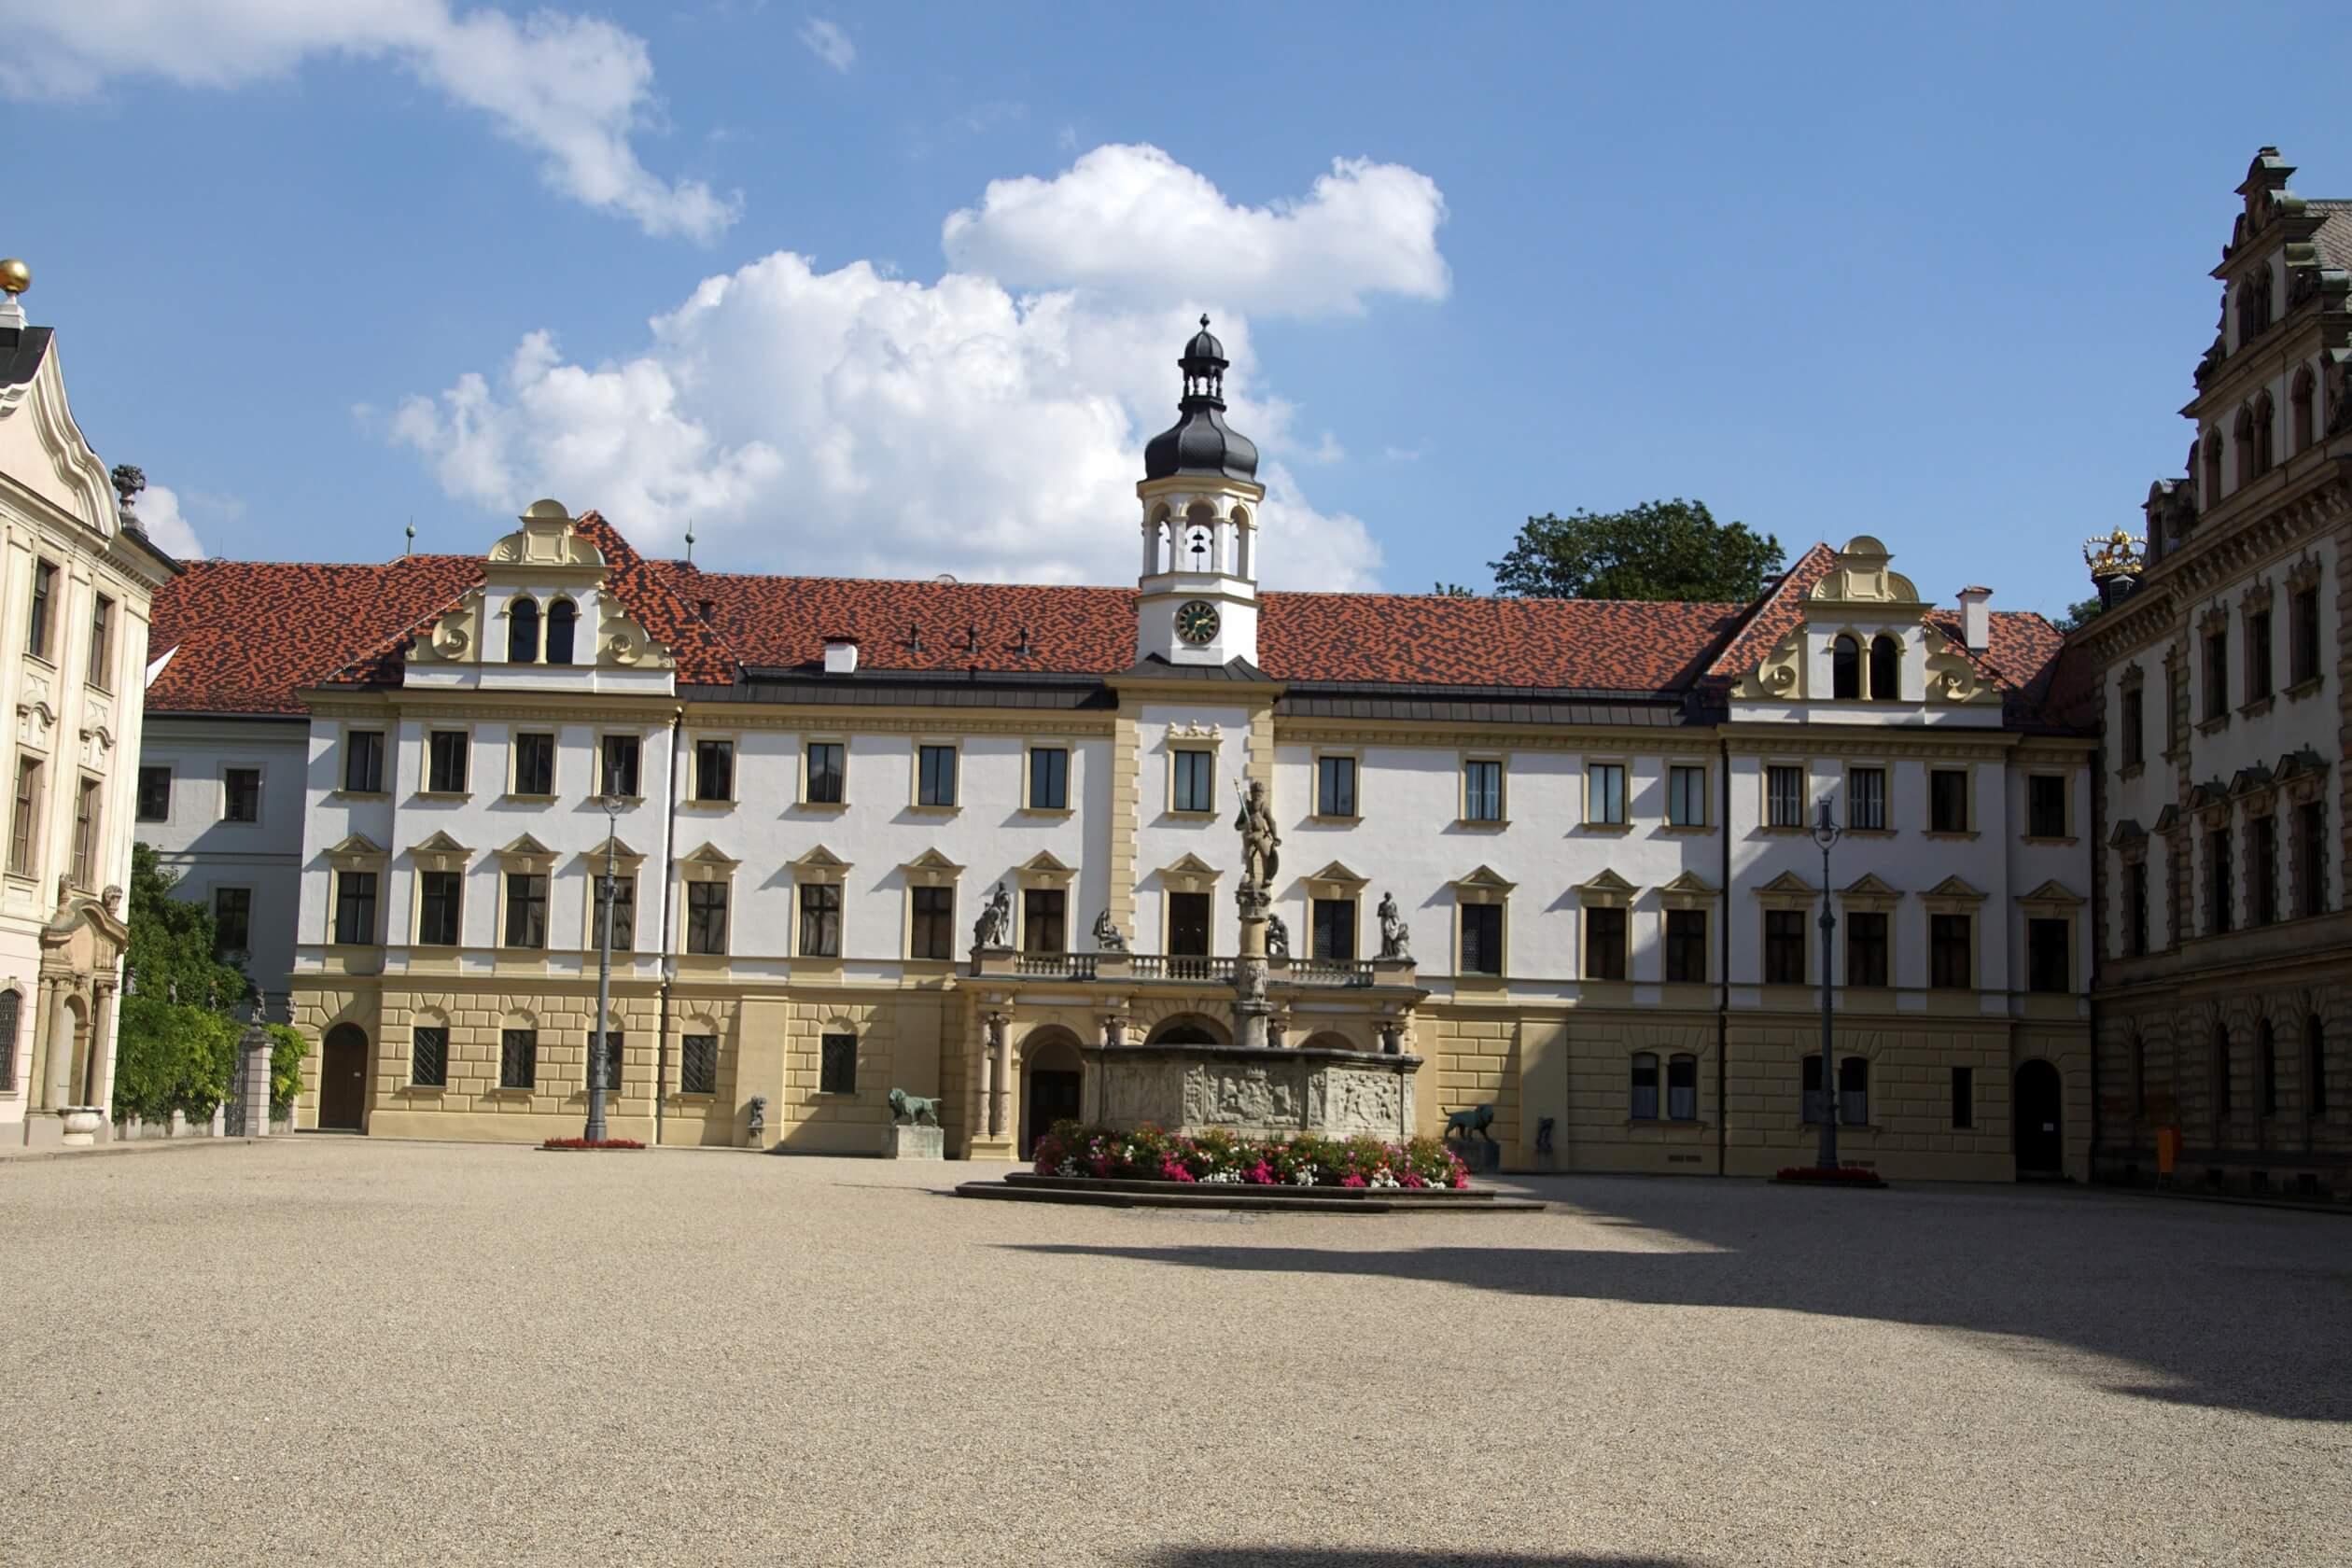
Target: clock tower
[[1196, 602]]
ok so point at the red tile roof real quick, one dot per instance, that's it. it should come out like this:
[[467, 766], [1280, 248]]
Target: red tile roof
[[249, 634]]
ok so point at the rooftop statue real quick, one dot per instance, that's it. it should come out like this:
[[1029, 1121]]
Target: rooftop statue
[[1261, 845]]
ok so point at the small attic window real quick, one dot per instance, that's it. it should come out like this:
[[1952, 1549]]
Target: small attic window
[[2254, 304], [1845, 667], [522, 630], [561, 616]]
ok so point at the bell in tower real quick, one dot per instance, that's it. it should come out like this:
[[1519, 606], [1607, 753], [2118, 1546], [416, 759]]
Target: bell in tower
[[1197, 599]]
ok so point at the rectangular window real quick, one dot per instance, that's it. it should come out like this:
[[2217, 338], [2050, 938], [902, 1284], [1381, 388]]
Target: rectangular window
[[1334, 930], [155, 794], [1644, 1106], [819, 921], [1686, 946], [356, 907], [445, 763], [825, 772], [1854, 1091], [706, 917], [1045, 924], [624, 913], [2217, 667], [440, 898], [2134, 726], [2138, 936], [1964, 1096], [526, 909], [535, 764], [837, 1069], [86, 833], [363, 761], [28, 801], [1049, 779], [1947, 799], [232, 920], [102, 643], [1482, 789], [1785, 796], [1482, 939], [1605, 943], [714, 769], [2264, 849], [1681, 1088], [698, 1064], [1866, 947], [1784, 947], [2257, 655], [2311, 850], [931, 930], [1816, 1106], [429, 1057], [1188, 917], [1687, 797], [1865, 799], [518, 1058], [2049, 954], [1192, 787], [1949, 952], [622, 754], [2046, 806], [37, 640], [2221, 898], [2302, 635], [1335, 785], [1604, 793], [241, 795], [935, 775]]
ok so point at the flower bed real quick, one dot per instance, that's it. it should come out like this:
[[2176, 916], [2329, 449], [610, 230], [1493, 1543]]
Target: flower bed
[[599, 1143], [1216, 1158], [1844, 1176]]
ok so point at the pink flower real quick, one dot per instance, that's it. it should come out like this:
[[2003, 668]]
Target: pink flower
[[1460, 1177], [1412, 1179], [1260, 1173], [1351, 1181]]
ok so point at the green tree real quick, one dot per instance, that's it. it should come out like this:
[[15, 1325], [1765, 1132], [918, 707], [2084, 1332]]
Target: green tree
[[1451, 591], [1660, 549], [2080, 613], [172, 941]]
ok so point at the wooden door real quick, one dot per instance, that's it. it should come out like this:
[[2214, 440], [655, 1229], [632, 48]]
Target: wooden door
[[1188, 925], [1054, 1096], [342, 1080], [2040, 1139]]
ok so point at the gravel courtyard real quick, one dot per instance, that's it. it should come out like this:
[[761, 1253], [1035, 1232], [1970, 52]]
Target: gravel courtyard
[[338, 1350]]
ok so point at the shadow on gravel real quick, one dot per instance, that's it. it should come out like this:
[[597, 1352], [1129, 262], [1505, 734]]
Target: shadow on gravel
[[2220, 1311], [1315, 1557]]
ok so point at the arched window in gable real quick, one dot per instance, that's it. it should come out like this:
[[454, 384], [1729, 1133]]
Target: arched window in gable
[[1886, 668], [2265, 435], [522, 630], [1845, 667], [2300, 406], [2213, 469], [2244, 432], [2254, 304], [561, 618]]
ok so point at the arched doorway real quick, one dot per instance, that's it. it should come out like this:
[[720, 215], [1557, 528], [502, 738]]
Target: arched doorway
[[2039, 1134], [1189, 1029], [343, 1079], [1054, 1089]]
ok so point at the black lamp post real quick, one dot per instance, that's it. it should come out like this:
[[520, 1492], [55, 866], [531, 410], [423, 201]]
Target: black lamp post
[[596, 1131], [1827, 833]]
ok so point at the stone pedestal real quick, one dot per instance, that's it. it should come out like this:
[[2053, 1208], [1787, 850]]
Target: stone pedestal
[[914, 1142], [1250, 1009], [1254, 1092], [1478, 1154], [81, 1124]]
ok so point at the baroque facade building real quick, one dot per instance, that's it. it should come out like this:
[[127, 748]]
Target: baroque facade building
[[76, 578], [2224, 984], [951, 837]]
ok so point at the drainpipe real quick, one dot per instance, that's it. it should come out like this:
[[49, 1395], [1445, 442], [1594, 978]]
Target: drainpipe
[[669, 857], [1723, 960]]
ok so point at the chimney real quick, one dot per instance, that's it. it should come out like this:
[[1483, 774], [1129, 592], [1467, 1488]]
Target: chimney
[[841, 655], [1976, 622]]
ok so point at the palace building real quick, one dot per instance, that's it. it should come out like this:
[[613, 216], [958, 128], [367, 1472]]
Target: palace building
[[1560, 850], [2224, 982]]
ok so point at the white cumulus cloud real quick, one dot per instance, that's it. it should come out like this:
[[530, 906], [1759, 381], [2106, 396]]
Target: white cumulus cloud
[[828, 43], [856, 421], [573, 88], [1134, 222], [157, 510]]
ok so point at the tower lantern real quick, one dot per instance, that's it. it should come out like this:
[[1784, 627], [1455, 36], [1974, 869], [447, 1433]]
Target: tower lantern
[[1197, 599]]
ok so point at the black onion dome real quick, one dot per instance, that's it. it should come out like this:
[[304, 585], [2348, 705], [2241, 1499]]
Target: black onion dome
[[1200, 442]]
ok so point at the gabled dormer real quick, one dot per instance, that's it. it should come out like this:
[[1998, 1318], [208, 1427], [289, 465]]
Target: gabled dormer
[[1866, 649]]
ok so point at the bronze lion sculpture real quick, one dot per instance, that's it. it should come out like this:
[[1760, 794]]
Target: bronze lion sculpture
[[1476, 1120], [912, 1107]]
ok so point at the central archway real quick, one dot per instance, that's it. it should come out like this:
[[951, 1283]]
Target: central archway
[[1052, 1084], [1189, 1029]]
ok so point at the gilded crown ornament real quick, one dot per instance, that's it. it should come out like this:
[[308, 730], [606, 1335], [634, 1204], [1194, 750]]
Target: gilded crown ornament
[[2119, 555]]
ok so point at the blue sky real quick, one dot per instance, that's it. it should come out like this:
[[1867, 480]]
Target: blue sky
[[1934, 275]]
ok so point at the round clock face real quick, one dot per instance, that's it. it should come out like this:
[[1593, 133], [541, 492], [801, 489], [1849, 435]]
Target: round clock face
[[1196, 621]]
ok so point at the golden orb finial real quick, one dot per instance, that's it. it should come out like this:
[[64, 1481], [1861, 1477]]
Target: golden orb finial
[[15, 277]]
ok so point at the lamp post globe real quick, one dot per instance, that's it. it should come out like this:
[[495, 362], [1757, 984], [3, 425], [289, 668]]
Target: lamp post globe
[[1825, 833], [596, 1131]]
